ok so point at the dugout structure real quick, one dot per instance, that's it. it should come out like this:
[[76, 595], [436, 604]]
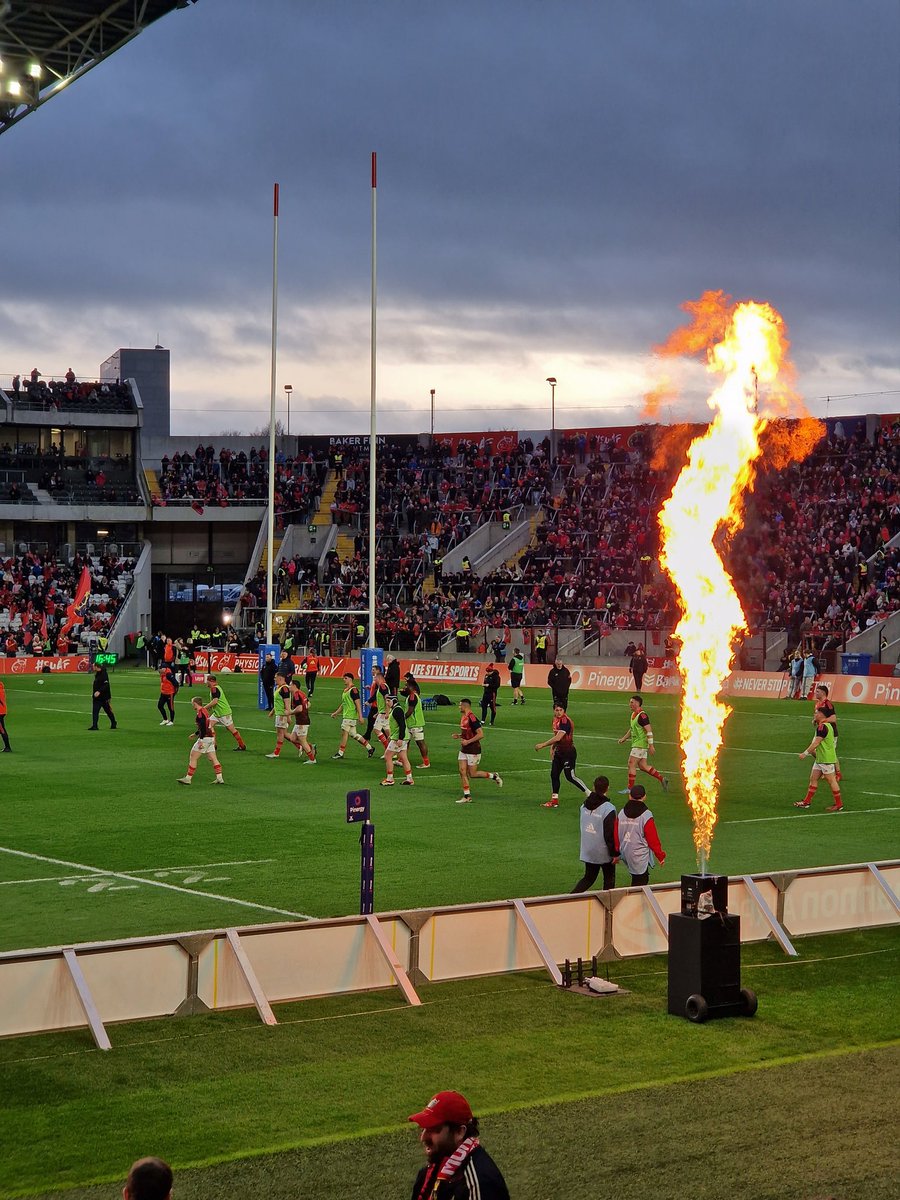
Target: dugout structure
[[95, 984], [45, 45]]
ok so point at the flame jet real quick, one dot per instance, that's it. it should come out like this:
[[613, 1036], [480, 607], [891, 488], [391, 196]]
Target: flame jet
[[746, 345]]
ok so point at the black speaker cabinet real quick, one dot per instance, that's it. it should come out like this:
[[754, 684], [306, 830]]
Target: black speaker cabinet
[[705, 968]]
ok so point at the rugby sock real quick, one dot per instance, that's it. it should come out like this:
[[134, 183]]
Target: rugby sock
[[630, 780], [837, 799], [311, 755], [389, 778], [809, 795], [656, 775], [218, 769], [239, 740], [383, 738], [426, 762], [190, 772]]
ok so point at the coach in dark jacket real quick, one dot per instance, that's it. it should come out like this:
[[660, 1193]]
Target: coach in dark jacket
[[101, 694], [458, 1167], [267, 679], [559, 680]]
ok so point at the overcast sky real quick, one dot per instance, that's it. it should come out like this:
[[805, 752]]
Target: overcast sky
[[555, 178]]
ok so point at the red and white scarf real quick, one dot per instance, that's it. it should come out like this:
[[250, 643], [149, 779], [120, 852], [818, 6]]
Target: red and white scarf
[[449, 1167]]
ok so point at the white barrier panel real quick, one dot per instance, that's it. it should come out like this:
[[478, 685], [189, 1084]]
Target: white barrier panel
[[816, 903], [152, 977], [483, 940], [314, 959]]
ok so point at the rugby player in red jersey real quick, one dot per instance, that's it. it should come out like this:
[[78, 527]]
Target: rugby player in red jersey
[[470, 735]]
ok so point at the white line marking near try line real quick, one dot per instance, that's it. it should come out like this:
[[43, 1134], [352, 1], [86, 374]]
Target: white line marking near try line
[[172, 887], [848, 812], [240, 862]]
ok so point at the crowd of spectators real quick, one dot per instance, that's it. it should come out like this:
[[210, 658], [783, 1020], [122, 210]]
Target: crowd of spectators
[[79, 478], [35, 393], [36, 590]]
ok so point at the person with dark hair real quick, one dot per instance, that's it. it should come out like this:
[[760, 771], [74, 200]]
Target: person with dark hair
[[491, 687], [823, 702], [824, 750], [458, 1167], [397, 744], [470, 735], [376, 701], [205, 744], [516, 675], [350, 712], [220, 712], [559, 680], [168, 686], [148, 1179], [267, 679], [101, 694], [392, 674], [638, 666], [637, 842], [641, 733], [598, 838], [415, 718], [564, 755]]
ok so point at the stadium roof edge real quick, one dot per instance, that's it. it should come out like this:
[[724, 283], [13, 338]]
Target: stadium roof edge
[[47, 44]]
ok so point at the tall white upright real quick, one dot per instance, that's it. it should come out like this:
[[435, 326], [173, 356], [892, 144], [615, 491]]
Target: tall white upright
[[372, 424], [270, 560]]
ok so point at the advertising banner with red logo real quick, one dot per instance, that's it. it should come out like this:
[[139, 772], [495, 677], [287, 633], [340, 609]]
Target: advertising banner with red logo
[[65, 664], [618, 438], [844, 689], [504, 441]]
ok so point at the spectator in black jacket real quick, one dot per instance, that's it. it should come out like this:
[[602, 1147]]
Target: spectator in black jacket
[[559, 680], [458, 1167], [101, 694], [489, 695], [267, 678]]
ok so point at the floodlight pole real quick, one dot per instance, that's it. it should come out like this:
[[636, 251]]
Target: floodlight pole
[[372, 422], [432, 414], [270, 565], [288, 389]]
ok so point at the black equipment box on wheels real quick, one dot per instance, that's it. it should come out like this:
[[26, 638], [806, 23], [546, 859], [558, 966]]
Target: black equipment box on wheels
[[705, 955]]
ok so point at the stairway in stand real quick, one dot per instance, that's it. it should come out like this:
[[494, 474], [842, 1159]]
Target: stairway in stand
[[152, 480], [264, 557]]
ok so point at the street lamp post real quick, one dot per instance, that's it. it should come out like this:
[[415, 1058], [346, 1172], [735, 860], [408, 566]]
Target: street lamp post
[[288, 389], [432, 414], [551, 379]]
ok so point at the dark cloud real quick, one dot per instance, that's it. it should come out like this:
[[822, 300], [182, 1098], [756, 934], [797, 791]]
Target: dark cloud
[[557, 175]]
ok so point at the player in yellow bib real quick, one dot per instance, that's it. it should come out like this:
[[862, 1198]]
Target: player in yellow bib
[[823, 748], [641, 733], [350, 713]]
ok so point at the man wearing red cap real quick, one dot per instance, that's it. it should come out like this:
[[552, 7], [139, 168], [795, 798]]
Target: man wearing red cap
[[458, 1167]]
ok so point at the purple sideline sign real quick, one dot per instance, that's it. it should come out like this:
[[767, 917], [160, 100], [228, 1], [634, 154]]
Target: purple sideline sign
[[358, 806]]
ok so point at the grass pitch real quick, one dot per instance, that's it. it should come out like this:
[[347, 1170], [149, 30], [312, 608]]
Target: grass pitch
[[577, 1095], [99, 841]]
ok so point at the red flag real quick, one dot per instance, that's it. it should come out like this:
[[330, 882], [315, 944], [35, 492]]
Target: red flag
[[198, 508], [73, 617], [44, 634]]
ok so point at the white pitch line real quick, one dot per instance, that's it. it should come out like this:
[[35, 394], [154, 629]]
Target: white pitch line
[[172, 887], [888, 795], [239, 862], [807, 816]]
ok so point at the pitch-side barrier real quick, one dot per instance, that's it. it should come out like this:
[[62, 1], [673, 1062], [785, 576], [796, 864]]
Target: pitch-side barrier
[[96, 984]]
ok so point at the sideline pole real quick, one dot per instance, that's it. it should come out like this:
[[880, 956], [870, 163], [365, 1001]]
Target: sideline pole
[[372, 423], [270, 565]]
